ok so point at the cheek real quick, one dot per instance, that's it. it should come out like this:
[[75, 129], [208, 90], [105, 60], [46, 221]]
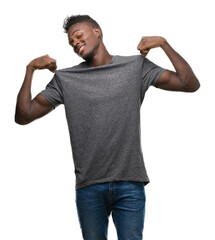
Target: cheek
[[91, 38], [93, 42]]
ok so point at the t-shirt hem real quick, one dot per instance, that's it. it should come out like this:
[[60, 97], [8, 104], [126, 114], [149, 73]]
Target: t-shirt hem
[[158, 76], [145, 180], [46, 96]]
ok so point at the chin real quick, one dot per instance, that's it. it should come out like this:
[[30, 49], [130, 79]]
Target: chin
[[88, 57]]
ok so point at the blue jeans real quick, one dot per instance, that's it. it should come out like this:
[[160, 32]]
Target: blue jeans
[[126, 202]]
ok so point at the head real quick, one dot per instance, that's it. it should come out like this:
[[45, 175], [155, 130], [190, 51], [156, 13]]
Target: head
[[84, 35]]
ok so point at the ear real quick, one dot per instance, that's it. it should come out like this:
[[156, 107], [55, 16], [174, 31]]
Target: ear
[[97, 31]]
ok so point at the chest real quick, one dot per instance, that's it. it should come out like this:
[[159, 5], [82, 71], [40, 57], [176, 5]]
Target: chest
[[103, 85]]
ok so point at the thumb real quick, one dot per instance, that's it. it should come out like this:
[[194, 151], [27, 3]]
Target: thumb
[[144, 52]]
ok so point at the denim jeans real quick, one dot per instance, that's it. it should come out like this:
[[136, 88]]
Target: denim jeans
[[124, 199]]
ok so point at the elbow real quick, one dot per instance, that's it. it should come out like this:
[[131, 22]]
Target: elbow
[[17, 119], [21, 119], [192, 87], [20, 122], [197, 87]]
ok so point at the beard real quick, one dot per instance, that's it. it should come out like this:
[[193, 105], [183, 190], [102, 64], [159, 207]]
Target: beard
[[88, 57]]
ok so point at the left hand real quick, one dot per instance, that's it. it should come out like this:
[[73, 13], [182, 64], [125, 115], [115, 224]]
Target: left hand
[[147, 43]]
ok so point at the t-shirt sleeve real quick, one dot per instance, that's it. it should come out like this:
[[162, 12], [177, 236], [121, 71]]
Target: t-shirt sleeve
[[151, 73], [53, 92]]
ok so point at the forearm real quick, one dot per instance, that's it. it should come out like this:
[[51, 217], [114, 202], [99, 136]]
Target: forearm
[[23, 106], [28, 109], [183, 70]]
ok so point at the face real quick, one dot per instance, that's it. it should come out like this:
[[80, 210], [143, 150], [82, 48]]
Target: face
[[84, 39]]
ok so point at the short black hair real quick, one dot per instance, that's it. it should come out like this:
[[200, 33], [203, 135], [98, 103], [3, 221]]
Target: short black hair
[[69, 21]]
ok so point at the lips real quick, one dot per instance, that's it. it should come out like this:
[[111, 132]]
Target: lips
[[80, 49]]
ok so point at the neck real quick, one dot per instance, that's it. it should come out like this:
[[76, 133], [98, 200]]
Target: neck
[[102, 57]]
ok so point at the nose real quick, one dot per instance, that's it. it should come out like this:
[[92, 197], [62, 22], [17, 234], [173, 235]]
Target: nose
[[75, 44]]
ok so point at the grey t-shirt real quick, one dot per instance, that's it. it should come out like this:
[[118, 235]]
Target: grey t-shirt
[[102, 107]]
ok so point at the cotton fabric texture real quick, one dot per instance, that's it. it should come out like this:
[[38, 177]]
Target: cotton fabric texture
[[102, 106]]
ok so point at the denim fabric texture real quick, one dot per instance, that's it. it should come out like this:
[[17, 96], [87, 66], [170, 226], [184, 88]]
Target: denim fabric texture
[[125, 200]]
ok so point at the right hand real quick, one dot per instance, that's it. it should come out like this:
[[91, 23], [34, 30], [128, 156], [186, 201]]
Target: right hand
[[44, 62]]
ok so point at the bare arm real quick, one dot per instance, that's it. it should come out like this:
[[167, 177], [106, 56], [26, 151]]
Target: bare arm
[[28, 109], [183, 79]]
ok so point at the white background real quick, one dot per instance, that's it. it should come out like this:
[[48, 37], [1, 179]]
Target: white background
[[37, 180]]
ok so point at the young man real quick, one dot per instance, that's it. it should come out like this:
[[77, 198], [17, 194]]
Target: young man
[[102, 98]]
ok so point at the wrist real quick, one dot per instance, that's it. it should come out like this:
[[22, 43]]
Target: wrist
[[163, 42], [31, 68]]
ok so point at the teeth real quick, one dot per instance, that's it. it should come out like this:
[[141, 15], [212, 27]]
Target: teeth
[[81, 49]]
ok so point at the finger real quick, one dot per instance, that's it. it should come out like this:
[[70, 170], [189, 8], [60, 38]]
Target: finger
[[52, 60], [53, 70], [52, 67], [138, 46], [144, 52]]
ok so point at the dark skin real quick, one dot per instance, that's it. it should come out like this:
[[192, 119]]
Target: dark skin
[[87, 43]]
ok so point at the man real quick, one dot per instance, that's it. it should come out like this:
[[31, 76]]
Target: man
[[102, 98]]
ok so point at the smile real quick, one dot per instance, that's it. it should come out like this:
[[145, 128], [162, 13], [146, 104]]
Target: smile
[[80, 49]]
